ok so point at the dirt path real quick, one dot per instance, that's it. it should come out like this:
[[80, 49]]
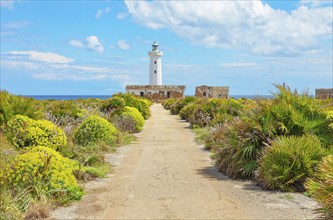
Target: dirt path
[[166, 175]]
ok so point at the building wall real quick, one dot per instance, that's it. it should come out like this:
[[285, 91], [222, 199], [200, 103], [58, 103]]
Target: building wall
[[324, 93], [156, 93], [212, 92]]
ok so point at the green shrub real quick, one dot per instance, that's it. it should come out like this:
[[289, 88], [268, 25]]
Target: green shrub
[[320, 186], [289, 161], [168, 102], [26, 132], [112, 104], [95, 130], [177, 106], [187, 112], [11, 105], [63, 108], [136, 116], [294, 114], [236, 146], [44, 170], [139, 103]]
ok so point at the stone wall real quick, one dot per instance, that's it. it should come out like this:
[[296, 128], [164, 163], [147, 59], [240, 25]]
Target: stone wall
[[212, 92], [156, 93], [324, 93]]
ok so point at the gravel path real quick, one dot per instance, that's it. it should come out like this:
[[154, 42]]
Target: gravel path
[[166, 175]]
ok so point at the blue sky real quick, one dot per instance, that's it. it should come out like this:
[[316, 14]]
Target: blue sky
[[97, 47]]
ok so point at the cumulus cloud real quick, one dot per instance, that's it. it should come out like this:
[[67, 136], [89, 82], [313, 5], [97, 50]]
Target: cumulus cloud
[[47, 57], [76, 43], [100, 12], [91, 42], [94, 44], [252, 25], [123, 45]]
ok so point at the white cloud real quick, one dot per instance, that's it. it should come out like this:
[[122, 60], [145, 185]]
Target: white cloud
[[76, 43], [123, 45], [86, 68], [316, 3], [7, 4], [239, 64], [122, 15], [94, 44], [19, 65], [251, 25], [62, 76], [16, 24], [100, 12], [47, 57]]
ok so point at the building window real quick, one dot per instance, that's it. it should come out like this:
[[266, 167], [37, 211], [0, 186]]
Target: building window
[[142, 94], [155, 61], [168, 94], [154, 71], [204, 94]]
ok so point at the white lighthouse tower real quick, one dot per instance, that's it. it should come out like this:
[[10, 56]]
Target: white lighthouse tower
[[155, 73]]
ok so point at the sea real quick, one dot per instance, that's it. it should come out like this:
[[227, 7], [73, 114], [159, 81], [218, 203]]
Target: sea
[[102, 97]]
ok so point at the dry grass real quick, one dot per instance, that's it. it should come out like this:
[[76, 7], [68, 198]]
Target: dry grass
[[39, 210]]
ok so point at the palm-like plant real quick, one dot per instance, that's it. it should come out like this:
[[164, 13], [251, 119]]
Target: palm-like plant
[[289, 161], [320, 186]]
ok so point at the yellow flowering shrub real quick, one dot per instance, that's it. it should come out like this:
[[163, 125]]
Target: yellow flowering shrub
[[26, 132], [43, 167], [95, 130], [136, 116]]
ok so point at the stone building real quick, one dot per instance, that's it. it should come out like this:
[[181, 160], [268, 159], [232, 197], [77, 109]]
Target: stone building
[[157, 93], [155, 90], [212, 92], [324, 93]]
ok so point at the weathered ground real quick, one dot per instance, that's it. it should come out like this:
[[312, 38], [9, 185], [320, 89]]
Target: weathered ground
[[166, 175]]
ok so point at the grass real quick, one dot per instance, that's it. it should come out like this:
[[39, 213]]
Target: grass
[[200, 134], [98, 171], [40, 210], [128, 138]]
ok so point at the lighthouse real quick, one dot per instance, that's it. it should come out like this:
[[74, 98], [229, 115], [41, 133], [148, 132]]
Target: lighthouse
[[155, 71]]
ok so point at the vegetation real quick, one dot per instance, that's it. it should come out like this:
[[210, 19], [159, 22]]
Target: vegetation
[[17, 105], [95, 130], [26, 132], [289, 162], [50, 147], [134, 114], [320, 186], [277, 142]]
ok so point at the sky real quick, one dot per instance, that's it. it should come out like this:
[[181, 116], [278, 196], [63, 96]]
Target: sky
[[98, 47]]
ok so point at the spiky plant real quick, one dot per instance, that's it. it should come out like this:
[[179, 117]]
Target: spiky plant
[[320, 186], [287, 163], [236, 147]]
